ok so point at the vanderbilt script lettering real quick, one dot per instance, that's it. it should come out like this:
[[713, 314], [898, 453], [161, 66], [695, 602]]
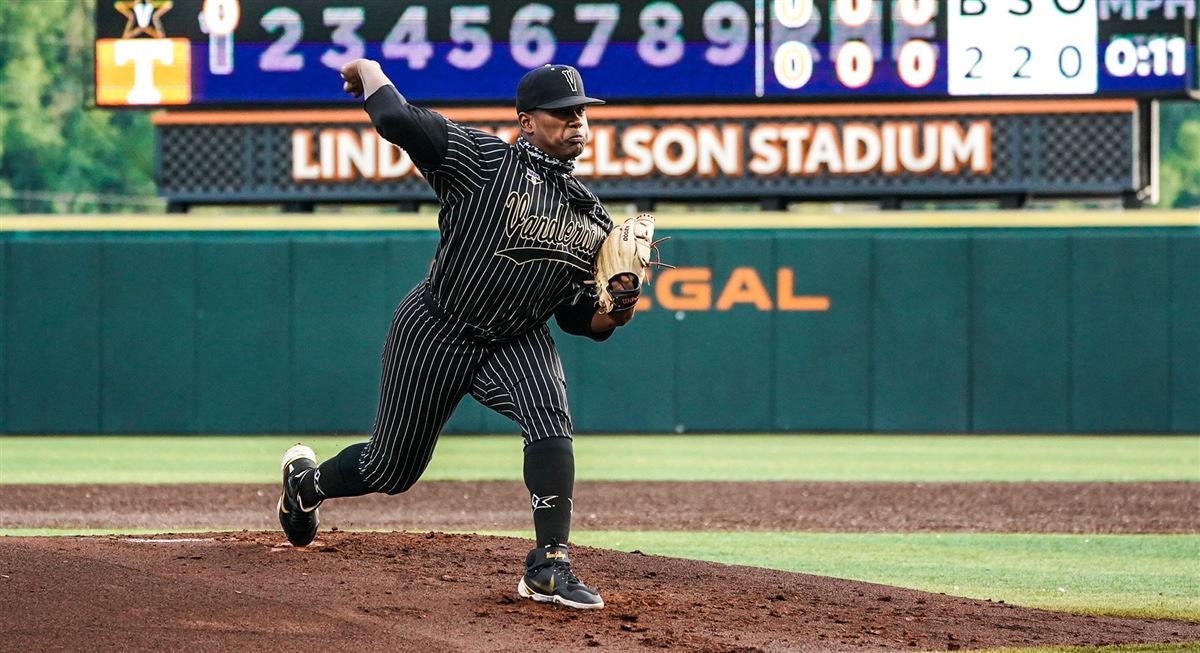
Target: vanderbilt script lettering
[[555, 230]]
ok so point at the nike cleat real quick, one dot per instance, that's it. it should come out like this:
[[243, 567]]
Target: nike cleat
[[548, 578], [299, 522]]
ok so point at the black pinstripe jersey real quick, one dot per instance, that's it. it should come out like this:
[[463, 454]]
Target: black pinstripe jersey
[[516, 241]]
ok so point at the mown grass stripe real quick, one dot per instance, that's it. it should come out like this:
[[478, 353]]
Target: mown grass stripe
[[254, 459]]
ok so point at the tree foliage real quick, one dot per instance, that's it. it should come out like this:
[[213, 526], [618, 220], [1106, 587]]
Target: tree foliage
[[57, 152], [1179, 169]]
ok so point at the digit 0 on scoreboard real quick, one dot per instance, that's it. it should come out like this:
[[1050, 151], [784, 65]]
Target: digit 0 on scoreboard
[[914, 37], [856, 41], [795, 24]]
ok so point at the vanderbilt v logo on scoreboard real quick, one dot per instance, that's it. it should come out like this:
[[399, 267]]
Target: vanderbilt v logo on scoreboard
[[144, 66]]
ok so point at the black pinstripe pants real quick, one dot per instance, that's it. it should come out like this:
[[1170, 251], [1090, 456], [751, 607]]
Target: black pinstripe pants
[[430, 362]]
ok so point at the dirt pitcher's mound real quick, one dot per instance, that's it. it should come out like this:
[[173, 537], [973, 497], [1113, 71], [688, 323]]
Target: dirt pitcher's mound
[[421, 592]]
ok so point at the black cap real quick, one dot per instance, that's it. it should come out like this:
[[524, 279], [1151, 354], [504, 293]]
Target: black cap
[[551, 87]]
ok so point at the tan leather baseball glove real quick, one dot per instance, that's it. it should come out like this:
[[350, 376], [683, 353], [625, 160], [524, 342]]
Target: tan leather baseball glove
[[626, 250]]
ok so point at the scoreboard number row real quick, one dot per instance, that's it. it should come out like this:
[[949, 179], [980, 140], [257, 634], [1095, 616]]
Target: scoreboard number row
[[854, 61], [532, 43]]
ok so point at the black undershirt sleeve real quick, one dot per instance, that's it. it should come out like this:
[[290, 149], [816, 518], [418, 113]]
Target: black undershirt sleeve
[[420, 132], [575, 317]]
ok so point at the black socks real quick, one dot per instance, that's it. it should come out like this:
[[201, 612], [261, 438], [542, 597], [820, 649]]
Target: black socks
[[550, 477], [336, 477]]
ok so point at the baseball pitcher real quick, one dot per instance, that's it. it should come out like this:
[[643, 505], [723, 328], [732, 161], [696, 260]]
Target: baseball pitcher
[[521, 240]]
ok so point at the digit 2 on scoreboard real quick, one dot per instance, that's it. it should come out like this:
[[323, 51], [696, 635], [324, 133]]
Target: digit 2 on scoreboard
[[1022, 47]]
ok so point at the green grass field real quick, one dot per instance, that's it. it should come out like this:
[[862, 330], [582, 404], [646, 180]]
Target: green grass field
[[1133, 575], [1128, 575], [1124, 648], [149, 459]]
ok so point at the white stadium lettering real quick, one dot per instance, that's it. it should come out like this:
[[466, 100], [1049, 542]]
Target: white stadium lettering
[[704, 149]]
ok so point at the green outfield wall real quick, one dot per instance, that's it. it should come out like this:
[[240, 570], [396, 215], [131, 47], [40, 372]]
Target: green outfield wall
[[868, 328]]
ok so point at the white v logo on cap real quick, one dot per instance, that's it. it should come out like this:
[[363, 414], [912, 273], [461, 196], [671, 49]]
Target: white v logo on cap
[[572, 79]]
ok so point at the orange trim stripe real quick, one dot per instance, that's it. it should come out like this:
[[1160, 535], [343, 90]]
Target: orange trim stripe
[[672, 111]]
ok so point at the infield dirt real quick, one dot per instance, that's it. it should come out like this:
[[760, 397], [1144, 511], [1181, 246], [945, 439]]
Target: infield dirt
[[414, 591]]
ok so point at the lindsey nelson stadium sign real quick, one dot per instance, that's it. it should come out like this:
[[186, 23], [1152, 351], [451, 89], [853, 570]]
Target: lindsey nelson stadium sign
[[683, 150], [676, 152]]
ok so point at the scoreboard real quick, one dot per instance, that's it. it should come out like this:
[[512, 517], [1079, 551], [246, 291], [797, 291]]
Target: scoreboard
[[259, 53]]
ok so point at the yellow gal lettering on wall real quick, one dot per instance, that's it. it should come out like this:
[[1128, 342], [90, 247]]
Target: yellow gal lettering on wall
[[692, 289]]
